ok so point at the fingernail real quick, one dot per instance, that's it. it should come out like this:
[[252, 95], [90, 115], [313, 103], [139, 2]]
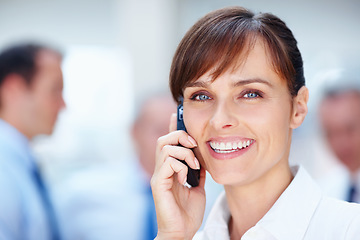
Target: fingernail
[[197, 164], [187, 185], [192, 141], [185, 181]]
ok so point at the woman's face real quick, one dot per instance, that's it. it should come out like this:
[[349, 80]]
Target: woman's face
[[242, 121]]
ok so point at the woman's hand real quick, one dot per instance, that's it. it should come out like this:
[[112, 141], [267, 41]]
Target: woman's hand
[[179, 210]]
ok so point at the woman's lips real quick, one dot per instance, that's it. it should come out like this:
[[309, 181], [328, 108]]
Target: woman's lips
[[229, 149]]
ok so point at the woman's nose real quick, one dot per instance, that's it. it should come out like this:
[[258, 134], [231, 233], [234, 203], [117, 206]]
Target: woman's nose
[[223, 116]]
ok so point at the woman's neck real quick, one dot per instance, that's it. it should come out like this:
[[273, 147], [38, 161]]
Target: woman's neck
[[249, 203]]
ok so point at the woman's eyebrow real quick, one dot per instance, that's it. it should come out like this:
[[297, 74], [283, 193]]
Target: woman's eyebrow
[[205, 84], [198, 84], [252, 80]]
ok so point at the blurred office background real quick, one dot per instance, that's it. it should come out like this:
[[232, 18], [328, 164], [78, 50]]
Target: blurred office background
[[117, 51]]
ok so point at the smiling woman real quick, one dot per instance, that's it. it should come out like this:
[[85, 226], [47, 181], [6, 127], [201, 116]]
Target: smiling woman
[[241, 79], [242, 111]]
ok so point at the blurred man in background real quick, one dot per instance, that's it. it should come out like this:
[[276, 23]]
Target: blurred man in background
[[113, 200], [31, 85], [151, 123], [339, 113]]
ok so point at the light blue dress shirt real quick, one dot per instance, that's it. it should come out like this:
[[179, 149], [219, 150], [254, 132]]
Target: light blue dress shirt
[[105, 202], [22, 214]]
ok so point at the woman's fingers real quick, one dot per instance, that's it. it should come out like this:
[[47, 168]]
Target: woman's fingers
[[166, 172], [173, 147], [180, 153], [176, 138]]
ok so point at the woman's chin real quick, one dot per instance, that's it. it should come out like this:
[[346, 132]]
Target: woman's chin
[[228, 176]]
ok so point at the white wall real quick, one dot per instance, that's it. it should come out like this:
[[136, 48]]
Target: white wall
[[63, 22]]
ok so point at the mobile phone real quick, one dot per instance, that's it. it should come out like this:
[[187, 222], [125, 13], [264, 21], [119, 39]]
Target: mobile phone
[[193, 175]]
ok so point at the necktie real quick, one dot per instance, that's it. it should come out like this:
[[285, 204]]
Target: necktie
[[151, 225], [54, 230], [351, 193]]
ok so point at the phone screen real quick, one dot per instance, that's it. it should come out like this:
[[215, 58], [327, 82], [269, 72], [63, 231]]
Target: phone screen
[[193, 176]]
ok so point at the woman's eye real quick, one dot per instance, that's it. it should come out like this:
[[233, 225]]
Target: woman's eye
[[201, 97], [251, 95]]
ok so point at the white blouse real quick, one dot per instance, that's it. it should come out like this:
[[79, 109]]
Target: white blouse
[[301, 212]]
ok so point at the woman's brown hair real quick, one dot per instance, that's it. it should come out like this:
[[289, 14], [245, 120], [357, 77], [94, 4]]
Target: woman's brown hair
[[220, 37]]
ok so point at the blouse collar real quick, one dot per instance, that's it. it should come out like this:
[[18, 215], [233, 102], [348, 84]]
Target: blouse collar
[[291, 213]]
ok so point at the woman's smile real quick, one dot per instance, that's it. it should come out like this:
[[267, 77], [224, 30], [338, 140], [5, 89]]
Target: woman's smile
[[227, 149]]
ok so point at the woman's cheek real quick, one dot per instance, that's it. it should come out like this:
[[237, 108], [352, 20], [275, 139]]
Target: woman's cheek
[[193, 121]]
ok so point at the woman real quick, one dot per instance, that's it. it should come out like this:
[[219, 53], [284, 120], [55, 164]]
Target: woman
[[241, 78]]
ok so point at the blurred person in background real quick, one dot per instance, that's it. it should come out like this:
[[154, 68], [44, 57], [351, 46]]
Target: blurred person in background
[[339, 114], [150, 124], [114, 200], [31, 85]]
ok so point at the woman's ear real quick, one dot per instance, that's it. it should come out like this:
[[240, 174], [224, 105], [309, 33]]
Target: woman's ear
[[300, 108]]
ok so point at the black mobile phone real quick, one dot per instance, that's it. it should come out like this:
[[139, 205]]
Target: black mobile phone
[[193, 176]]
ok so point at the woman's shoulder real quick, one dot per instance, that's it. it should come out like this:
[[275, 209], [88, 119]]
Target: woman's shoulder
[[338, 209], [337, 219]]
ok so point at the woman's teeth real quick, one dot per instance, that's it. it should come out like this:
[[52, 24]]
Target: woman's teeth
[[222, 147]]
